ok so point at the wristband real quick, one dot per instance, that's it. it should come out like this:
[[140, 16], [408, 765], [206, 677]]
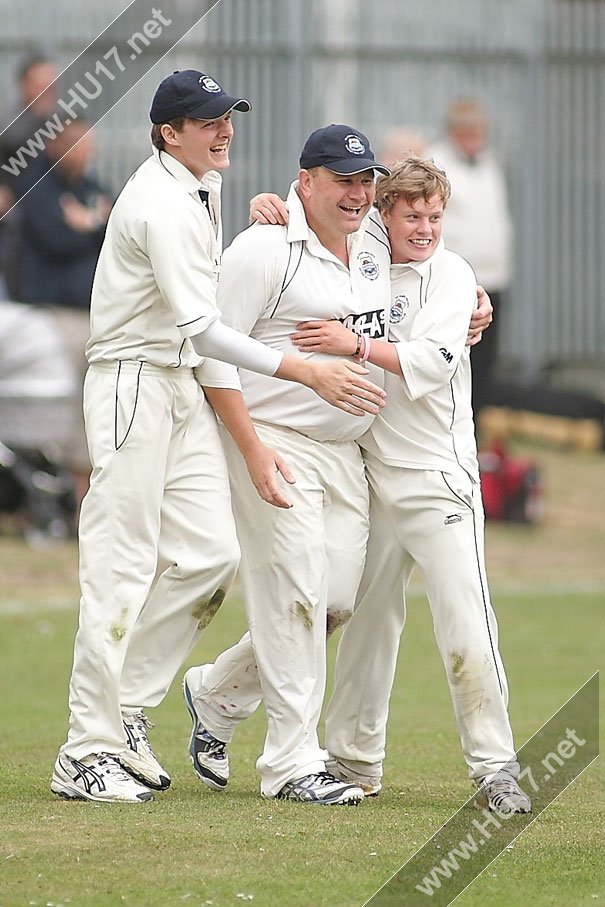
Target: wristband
[[362, 348], [366, 351], [358, 347]]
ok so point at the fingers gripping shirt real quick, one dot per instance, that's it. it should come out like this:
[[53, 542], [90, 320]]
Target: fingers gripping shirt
[[155, 284], [255, 298]]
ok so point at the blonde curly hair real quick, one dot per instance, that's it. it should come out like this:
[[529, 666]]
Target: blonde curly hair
[[412, 178]]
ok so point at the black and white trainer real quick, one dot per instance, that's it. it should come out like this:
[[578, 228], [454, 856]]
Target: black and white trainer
[[321, 787], [98, 777], [208, 754], [501, 794], [138, 758]]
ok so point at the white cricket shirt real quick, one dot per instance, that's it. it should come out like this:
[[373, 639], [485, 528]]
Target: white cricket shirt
[[155, 283], [273, 278], [427, 422]]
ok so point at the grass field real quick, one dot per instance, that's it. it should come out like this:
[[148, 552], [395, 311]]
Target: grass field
[[193, 847]]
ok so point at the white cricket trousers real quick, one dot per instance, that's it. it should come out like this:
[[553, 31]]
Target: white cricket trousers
[[293, 562], [434, 520], [158, 548]]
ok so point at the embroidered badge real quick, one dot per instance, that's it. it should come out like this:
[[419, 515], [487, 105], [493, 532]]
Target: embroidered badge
[[399, 308], [354, 145], [368, 265]]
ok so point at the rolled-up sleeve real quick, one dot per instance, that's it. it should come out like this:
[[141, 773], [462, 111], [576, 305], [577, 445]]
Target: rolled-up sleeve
[[430, 357]]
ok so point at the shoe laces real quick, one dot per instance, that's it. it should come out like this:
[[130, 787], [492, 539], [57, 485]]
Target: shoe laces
[[110, 766], [141, 724], [317, 779], [211, 745]]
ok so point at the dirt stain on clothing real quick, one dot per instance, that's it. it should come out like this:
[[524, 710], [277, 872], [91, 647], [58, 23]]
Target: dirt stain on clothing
[[304, 611], [206, 608], [336, 619], [457, 664], [119, 630]]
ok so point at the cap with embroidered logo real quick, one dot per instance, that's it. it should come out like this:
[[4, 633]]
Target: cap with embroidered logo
[[341, 149], [194, 94]]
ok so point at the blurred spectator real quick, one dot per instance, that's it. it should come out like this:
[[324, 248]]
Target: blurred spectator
[[37, 97], [37, 389], [62, 226], [399, 142], [479, 196]]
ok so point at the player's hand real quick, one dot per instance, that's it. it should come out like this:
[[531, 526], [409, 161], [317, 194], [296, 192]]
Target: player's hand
[[324, 337], [265, 467], [481, 319], [342, 384], [268, 208]]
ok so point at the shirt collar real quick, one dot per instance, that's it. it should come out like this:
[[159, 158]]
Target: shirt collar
[[189, 182], [298, 228]]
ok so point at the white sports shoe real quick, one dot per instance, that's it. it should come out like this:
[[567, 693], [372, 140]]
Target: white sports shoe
[[370, 786], [139, 759], [321, 787], [501, 794], [97, 777]]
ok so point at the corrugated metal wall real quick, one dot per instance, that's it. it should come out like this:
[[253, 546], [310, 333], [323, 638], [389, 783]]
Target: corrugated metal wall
[[538, 65]]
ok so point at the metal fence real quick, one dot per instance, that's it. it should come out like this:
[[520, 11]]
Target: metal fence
[[538, 66]]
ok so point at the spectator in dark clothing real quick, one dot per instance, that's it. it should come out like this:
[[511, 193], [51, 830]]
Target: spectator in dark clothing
[[63, 222], [35, 104]]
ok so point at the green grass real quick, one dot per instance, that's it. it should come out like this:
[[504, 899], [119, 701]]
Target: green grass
[[193, 847]]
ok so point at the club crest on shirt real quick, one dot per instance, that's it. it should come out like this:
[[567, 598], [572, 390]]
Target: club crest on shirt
[[368, 265], [354, 145], [208, 84], [399, 308]]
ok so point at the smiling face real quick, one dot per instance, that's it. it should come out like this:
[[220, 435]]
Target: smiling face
[[414, 228], [201, 145], [335, 204]]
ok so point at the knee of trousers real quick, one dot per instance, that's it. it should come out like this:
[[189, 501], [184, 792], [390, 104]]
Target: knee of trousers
[[337, 616], [217, 566]]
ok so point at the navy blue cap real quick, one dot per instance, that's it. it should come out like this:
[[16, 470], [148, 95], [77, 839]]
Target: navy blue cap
[[192, 94], [341, 149]]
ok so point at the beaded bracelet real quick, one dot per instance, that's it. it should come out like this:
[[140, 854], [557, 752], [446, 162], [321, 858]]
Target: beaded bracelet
[[358, 347]]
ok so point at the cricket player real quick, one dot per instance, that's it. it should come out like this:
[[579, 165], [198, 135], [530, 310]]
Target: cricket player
[[425, 506], [325, 264], [158, 547], [221, 695]]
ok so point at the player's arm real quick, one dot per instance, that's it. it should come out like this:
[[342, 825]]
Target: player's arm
[[437, 340], [250, 271], [430, 357], [333, 337], [340, 383], [264, 464], [185, 276]]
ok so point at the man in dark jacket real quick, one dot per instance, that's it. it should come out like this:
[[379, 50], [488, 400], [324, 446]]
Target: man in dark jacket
[[62, 224]]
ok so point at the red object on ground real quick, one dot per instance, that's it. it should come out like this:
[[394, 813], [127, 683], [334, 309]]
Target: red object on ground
[[511, 487]]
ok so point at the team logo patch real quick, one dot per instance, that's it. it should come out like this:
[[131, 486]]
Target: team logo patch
[[354, 145], [208, 84], [399, 308], [368, 265]]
